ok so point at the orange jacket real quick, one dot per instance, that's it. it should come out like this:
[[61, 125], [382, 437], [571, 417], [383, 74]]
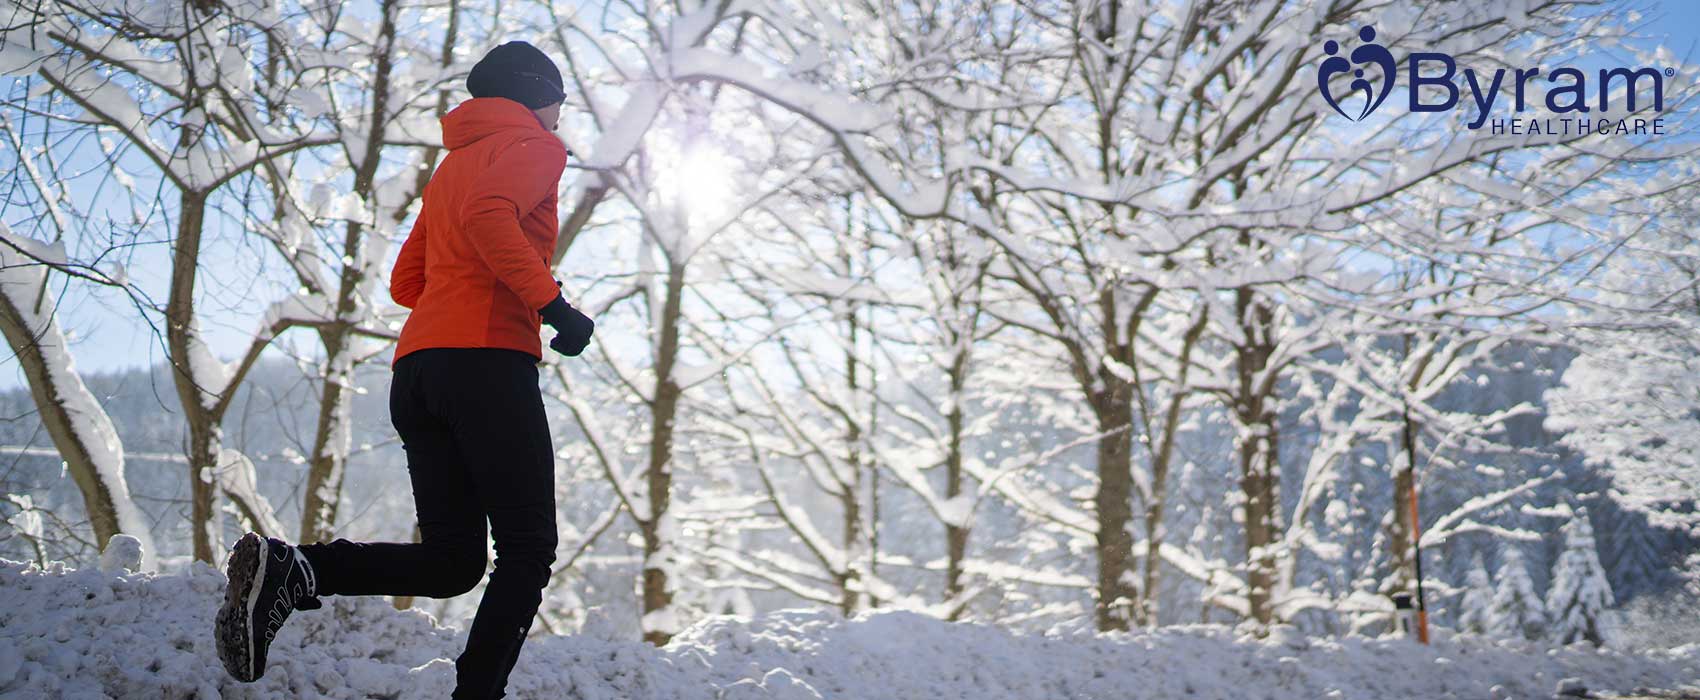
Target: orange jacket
[[475, 267]]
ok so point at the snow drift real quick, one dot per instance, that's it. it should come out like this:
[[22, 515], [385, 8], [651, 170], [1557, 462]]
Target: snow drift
[[91, 634]]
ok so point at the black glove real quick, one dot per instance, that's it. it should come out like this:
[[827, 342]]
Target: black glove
[[573, 328]]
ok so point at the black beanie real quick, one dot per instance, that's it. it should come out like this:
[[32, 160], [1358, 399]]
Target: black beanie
[[518, 71]]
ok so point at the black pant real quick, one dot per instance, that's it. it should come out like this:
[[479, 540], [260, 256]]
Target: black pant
[[471, 421]]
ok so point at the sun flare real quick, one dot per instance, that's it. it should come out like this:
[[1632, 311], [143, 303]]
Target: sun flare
[[698, 179]]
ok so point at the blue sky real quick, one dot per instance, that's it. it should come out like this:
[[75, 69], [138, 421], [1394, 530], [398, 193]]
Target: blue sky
[[1675, 24], [106, 335], [1680, 25]]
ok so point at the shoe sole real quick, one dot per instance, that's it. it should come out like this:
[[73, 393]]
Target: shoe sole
[[232, 627]]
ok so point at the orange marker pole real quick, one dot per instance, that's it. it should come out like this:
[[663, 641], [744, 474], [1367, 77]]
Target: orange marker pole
[[1417, 552]]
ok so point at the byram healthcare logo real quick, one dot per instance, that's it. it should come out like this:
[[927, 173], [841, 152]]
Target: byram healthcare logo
[[1368, 54], [1566, 91]]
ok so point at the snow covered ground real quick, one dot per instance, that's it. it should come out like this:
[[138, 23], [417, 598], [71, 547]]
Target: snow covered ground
[[77, 634]]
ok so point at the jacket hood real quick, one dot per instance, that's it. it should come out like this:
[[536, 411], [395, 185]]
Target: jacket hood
[[479, 117]]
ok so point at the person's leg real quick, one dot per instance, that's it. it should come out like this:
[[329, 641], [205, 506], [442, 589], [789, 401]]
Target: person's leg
[[450, 558], [503, 435]]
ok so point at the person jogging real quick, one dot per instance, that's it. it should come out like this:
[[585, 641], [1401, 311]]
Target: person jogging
[[464, 394]]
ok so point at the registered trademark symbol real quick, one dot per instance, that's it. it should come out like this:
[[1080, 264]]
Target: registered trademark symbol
[[1670, 72]]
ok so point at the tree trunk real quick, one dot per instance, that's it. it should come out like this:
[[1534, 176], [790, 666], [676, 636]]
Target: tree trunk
[[332, 437], [873, 532], [1401, 538], [1258, 442], [849, 580], [203, 448], [656, 592], [1114, 503], [1401, 544], [81, 430], [955, 535]]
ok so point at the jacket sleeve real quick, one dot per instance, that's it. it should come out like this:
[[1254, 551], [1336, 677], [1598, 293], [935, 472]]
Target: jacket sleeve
[[520, 179], [407, 279]]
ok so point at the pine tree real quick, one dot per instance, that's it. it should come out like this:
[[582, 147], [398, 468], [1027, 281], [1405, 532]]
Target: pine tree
[[1635, 553], [1516, 610], [1580, 593], [1475, 607]]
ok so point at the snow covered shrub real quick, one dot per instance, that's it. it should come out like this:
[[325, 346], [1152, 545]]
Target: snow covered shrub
[[1580, 594], [1476, 603], [1517, 610]]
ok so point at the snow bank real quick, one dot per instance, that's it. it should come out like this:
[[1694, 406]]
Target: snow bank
[[90, 634]]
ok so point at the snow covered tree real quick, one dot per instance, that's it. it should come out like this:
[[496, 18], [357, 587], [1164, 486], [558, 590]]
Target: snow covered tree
[[1579, 595], [690, 163], [1116, 252], [1628, 403], [191, 63], [275, 98], [81, 430], [368, 106], [822, 428], [1475, 605], [1516, 610], [1637, 556], [954, 266]]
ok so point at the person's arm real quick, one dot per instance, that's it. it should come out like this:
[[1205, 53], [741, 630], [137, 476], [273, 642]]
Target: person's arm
[[521, 178], [407, 278]]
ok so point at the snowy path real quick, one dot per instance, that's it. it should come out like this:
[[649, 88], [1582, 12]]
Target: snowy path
[[85, 634]]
